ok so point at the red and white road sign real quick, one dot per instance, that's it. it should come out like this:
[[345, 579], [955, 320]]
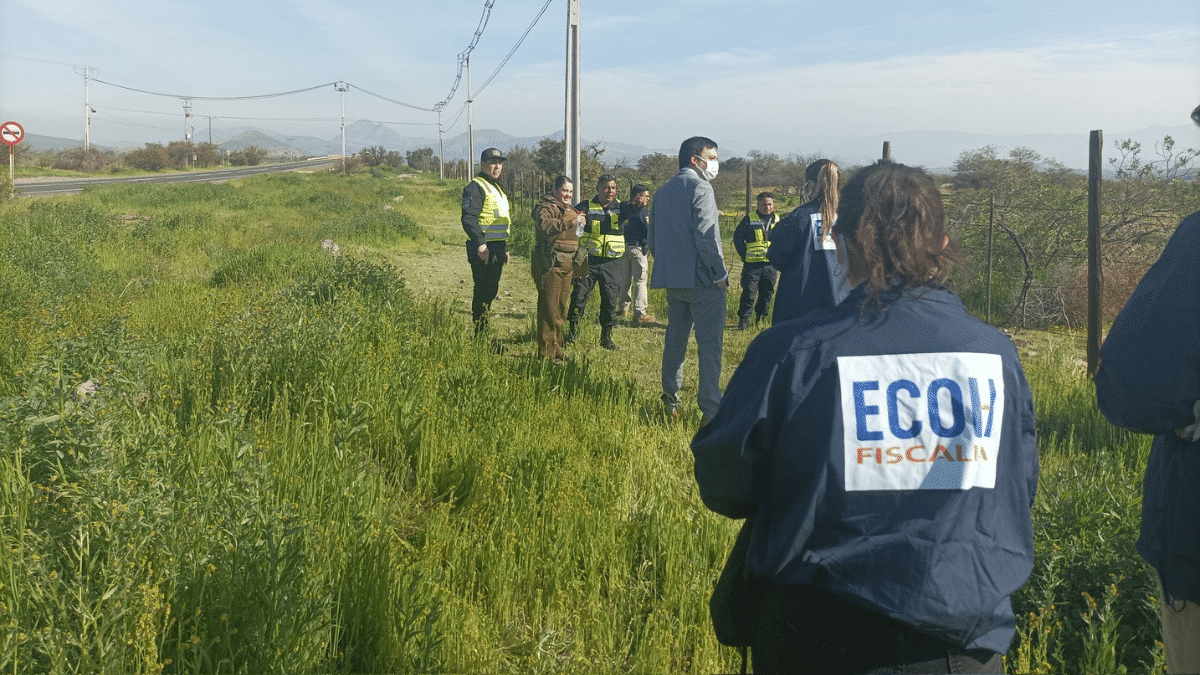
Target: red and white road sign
[[11, 133]]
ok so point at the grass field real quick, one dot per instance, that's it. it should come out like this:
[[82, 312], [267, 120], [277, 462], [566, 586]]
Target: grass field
[[227, 451]]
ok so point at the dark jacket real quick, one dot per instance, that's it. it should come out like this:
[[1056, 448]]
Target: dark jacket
[[810, 276], [472, 206], [744, 233], [637, 224], [1149, 380], [554, 225], [889, 458]]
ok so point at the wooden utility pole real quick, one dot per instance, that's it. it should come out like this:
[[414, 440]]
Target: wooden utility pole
[[571, 142], [748, 188], [1095, 273]]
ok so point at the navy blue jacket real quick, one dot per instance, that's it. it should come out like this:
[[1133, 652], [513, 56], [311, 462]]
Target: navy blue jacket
[[887, 457], [810, 276], [1149, 380]]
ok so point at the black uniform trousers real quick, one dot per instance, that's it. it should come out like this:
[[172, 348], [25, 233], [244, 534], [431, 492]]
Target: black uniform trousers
[[803, 629], [758, 278], [486, 277], [606, 272]]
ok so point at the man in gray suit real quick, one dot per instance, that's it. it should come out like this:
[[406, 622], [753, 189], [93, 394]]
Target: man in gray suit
[[685, 239]]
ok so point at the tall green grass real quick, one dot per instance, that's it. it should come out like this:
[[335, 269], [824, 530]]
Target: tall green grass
[[291, 464]]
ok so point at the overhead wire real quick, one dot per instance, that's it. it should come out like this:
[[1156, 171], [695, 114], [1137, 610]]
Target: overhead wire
[[391, 100], [213, 98], [465, 54], [514, 49]]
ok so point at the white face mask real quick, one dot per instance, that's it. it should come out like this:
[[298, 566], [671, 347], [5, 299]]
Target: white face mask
[[808, 192], [710, 172]]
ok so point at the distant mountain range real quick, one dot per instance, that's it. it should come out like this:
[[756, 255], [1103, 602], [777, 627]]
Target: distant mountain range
[[936, 150]]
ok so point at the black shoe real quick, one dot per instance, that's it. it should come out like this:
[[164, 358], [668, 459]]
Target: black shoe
[[606, 339], [743, 324], [569, 338]]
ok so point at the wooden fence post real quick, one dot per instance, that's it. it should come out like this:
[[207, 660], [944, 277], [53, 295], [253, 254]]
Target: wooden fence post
[[1095, 273]]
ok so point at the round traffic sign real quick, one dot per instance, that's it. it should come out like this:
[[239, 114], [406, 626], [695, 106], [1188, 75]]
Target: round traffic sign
[[11, 133]]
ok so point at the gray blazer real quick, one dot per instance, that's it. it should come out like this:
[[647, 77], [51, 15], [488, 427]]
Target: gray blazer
[[685, 236]]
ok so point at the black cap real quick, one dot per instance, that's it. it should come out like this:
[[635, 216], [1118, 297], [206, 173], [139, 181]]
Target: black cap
[[491, 155]]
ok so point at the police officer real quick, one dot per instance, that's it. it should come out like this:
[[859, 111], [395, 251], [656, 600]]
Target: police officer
[[485, 219], [604, 240], [751, 239], [886, 451]]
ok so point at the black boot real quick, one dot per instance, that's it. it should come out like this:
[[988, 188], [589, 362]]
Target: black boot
[[743, 323], [569, 339], [606, 339]]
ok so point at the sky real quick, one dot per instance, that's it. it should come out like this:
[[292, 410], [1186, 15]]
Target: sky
[[780, 76]]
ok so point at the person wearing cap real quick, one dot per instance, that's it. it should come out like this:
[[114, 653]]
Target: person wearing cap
[[751, 239], [1149, 381], [485, 219]]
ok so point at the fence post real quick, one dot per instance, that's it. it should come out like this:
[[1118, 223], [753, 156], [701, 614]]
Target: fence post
[[887, 150], [1095, 273], [748, 188]]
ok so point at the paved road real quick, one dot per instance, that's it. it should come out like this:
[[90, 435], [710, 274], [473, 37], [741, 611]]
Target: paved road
[[41, 187]]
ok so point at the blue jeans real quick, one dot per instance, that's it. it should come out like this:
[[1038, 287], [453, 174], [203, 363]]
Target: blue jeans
[[704, 309]]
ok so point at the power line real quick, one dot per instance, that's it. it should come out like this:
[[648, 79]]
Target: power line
[[514, 49], [213, 98], [389, 100], [466, 53]]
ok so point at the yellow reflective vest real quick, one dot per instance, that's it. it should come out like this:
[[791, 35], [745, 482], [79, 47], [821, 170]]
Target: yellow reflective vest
[[602, 245], [756, 250], [493, 219]]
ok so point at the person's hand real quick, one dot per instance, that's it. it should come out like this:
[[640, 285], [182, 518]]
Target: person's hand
[[507, 257], [483, 253], [580, 219], [723, 284]]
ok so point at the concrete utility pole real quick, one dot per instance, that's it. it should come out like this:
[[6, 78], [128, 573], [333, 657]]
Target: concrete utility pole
[[342, 88], [571, 142], [441, 147], [470, 123], [86, 72], [187, 116]]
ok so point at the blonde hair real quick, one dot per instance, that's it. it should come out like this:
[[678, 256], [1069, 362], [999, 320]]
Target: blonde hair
[[825, 173]]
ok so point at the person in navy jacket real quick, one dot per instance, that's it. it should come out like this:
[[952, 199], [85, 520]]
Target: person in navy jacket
[[886, 450], [805, 253], [1149, 380]]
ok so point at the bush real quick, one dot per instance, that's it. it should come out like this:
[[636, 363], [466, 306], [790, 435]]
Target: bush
[[153, 157], [77, 159]]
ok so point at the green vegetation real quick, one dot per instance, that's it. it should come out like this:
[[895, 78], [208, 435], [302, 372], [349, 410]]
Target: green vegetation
[[228, 451]]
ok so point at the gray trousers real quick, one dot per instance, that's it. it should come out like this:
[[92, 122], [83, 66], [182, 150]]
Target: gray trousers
[[703, 309]]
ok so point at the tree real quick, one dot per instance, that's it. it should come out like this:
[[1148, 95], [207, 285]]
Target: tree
[[254, 155], [549, 158], [658, 167], [153, 157], [767, 168], [1040, 218], [207, 154], [422, 160], [372, 156], [179, 153]]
